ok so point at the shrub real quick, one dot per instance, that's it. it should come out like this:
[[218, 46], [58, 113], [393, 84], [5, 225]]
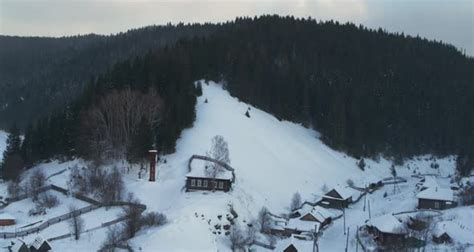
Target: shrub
[[153, 219], [47, 200]]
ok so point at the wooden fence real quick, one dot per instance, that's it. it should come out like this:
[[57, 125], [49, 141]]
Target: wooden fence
[[94, 205]]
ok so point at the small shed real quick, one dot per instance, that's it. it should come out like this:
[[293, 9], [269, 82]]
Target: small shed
[[18, 246], [209, 175], [387, 230], [319, 214], [40, 245], [7, 220], [338, 197], [436, 198], [295, 244]]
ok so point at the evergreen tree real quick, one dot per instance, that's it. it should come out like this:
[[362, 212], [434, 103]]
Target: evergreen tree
[[12, 162]]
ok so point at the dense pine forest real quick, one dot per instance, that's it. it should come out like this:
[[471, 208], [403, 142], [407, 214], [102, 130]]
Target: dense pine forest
[[368, 92]]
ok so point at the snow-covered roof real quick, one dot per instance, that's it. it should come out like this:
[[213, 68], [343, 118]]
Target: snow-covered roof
[[299, 244], [17, 245], [321, 213], [38, 242], [387, 223], [6, 216], [436, 193], [199, 167], [301, 225], [453, 229], [344, 192]]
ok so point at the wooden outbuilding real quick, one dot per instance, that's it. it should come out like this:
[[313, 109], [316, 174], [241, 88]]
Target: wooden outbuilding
[[387, 230], [18, 246], [40, 245], [436, 198], [209, 175], [7, 219], [338, 197], [442, 238]]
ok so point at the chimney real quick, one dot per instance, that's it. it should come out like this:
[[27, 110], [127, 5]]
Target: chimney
[[152, 156]]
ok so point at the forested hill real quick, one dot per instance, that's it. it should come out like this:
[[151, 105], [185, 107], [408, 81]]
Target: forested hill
[[366, 91], [40, 74]]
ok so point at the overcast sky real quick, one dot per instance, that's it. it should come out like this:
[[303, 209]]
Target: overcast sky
[[449, 20]]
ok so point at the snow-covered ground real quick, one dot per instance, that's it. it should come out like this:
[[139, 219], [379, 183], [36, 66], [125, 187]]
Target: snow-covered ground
[[272, 159]]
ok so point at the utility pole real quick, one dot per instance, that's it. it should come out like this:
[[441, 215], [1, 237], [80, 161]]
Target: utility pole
[[347, 238], [369, 208], [344, 217], [365, 197], [315, 239], [357, 238]]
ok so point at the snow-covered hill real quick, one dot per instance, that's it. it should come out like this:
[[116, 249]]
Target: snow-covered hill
[[272, 159]]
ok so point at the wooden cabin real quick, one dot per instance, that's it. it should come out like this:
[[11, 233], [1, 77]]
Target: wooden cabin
[[295, 244], [40, 245], [18, 246], [338, 197], [387, 230], [7, 219], [209, 175], [436, 198], [442, 238]]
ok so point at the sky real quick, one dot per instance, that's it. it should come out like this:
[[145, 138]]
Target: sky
[[451, 21]]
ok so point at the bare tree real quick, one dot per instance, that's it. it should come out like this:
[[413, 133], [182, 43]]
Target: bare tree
[[219, 151], [14, 188], [295, 201], [115, 235], [36, 182], [113, 186], [239, 239], [108, 126], [134, 217], [76, 222], [264, 220]]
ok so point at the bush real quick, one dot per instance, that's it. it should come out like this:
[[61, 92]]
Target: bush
[[36, 181], [14, 189], [361, 164], [350, 182], [46, 200], [153, 219], [467, 195]]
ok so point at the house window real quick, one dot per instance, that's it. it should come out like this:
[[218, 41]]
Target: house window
[[436, 205], [204, 183], [199, 183], [193, 182], [221, 185]]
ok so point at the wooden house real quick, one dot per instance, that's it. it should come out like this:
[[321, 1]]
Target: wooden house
[[209, 175], [436, 198], [387, 230], [338, 197], [442, 238], [19, 246], [40, 245], [7, 219], [295, 244]]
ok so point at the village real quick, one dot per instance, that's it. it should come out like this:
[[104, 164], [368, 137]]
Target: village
[[291, 194]]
